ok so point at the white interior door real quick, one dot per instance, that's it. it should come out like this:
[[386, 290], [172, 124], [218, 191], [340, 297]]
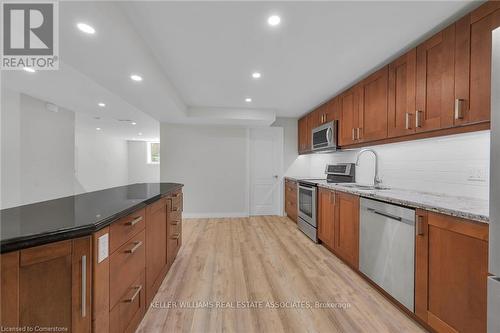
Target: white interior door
[[266, 164]]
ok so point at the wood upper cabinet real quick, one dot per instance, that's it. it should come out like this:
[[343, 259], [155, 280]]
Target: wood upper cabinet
[[401, 101], [326, 217], [48, 286], [156, 246], [451, 270], [481, 27], [302, 135], [372, 118], [346, 228], [435, 82], [349, 116]]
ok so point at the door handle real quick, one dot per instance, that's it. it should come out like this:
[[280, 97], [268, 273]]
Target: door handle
[[459, 108], [84, 286], [353, 134], [358, 131], [134, 296], [407, 125], [418, 122]]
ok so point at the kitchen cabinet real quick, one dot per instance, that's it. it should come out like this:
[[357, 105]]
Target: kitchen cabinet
[[302, 135], [372, 118], [326, 217], [451, 270], [48, 286], [435, 81], [174, 230], [473, 64], [156, 246], [346, 228], [401, 95], [325, 113], [291, 199], [349, 114]]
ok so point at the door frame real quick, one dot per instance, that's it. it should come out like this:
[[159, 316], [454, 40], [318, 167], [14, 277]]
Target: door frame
[[280, 182]]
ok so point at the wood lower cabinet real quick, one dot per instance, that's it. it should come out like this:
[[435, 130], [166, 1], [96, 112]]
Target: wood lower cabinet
[[291, 199], [174, 230], [401, 95], [326, 217], [156, 246], [451, 270], [48, 286], [346, 228]]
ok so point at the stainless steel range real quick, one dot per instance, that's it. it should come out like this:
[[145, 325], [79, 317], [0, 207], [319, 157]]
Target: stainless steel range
[[307, 196]]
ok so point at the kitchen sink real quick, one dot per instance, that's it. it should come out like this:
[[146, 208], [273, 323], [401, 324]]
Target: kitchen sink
[[363, 187]]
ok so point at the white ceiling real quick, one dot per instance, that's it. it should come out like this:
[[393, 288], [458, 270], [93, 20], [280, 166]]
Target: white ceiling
[[197, 57]]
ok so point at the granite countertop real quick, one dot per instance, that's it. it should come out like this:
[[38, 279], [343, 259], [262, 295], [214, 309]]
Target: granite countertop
[[468, 208], [74, 216]]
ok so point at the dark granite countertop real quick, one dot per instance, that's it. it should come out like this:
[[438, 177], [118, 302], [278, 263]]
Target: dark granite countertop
[[74, 216]]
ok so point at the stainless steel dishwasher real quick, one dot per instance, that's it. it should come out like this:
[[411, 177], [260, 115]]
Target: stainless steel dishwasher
[[386, 248]]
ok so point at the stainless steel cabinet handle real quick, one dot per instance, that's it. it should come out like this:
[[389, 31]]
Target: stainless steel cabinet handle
[[407, 125], [175, 209], [84, 286], [420, 225], [353, 134], [358, 135], [418, 122], [394, 217], [136, 293], [176, 236], [134, 221], [176, 195], [134, 248], [459, 109]]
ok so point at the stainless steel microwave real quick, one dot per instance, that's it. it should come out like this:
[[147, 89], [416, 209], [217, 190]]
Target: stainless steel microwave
[[324, 137]]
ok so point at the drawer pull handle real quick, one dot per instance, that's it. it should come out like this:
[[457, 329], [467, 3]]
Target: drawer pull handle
[[134, 221], [175, 209], [175, 223], [176, 195], [133, 249], [176, 236], [134, 296]]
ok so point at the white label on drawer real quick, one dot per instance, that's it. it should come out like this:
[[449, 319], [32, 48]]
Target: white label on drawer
[[103, 247]]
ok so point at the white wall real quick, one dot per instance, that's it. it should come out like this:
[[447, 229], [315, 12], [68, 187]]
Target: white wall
[[211, 161], [101, 160], [441, 165], [139, 170]]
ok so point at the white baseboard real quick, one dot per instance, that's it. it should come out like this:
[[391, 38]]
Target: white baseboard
[[213, 215]]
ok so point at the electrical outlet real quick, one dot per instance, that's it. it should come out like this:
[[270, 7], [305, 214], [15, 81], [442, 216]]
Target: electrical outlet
[[477, 174]]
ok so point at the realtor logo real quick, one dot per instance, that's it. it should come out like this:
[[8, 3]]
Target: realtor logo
[[29, 35]]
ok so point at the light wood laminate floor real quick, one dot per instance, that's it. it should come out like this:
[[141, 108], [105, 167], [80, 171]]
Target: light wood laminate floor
[[257, 263]]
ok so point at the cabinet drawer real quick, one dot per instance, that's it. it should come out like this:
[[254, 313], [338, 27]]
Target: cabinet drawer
[[125, 265], [125, 228], [175, 228], [176, 202], [128, 312]]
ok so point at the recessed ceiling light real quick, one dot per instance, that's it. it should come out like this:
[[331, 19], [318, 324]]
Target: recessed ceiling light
[[86, 28], [256, 75], [140, 133], [29, 70], [97, 128], [133, 123], [136, 77], [273, 20], [248, 99], [102, 105]]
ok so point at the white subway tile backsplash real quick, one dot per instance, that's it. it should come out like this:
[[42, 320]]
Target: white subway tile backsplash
[[457, 164]]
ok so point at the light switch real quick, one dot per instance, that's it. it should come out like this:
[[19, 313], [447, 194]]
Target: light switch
[[102, 247]]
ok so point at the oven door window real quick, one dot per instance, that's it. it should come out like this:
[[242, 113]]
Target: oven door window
[[306, 202]]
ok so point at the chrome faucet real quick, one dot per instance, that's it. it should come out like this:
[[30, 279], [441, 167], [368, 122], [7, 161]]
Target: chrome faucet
[[377, 182]]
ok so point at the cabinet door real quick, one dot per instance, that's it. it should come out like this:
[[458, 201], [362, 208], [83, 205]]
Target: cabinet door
[[373, 106], [480, 67], [348, 117], [346, 229], [302, 135], [311, 124], [435, 82], [54, 285], [9, 296], [326, 217], [332, 110], [156, 246], [451, 271], [291, 199], [401, 101], [315, 118]]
